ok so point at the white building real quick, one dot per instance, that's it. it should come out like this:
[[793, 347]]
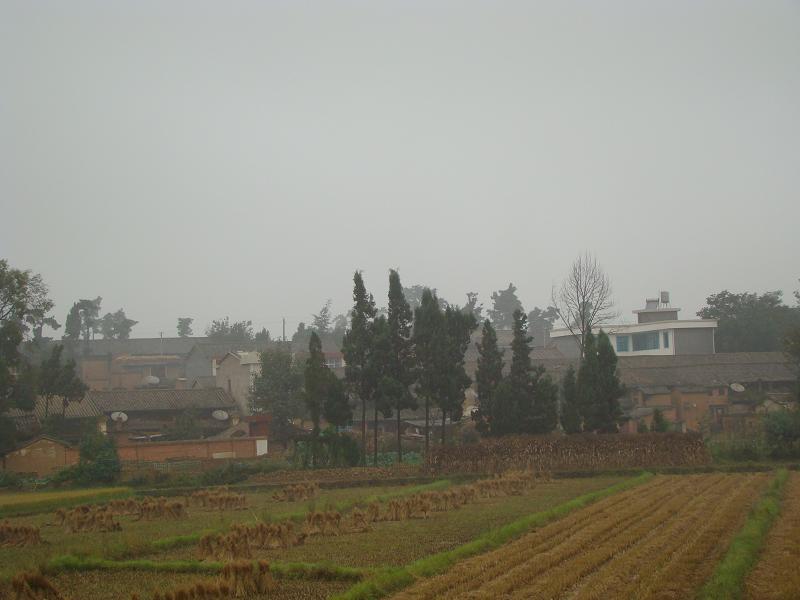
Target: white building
[[658, 331]]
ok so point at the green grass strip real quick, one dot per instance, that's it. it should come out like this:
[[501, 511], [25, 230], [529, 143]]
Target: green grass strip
[[727, 582], [312, 571], [50, 504], [178, 541], [391, 580]]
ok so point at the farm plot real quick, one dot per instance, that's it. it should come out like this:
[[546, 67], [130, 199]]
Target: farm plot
[[136, 536], [662, 539], [776, 575], [396, 543]]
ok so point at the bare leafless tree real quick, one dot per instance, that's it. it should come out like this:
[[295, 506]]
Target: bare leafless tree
[[583, 300]]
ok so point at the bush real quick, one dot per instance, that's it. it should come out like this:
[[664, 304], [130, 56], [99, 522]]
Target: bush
[[782, 432], [98, 462], [10, 480], [333, 450]]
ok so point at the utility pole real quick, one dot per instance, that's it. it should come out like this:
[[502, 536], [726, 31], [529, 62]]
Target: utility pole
[[284, 329]]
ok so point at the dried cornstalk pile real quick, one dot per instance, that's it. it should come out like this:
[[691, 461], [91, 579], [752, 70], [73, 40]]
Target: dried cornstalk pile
[[657, 540], [776, 575], [87, 517], [570, 452], [298, 491], [18, 535], [237, 580], [218, 499], [34, 586]]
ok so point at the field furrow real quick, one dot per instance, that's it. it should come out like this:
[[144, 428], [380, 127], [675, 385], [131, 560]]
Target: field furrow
[[661, 540], [777, 576], [541, 540]]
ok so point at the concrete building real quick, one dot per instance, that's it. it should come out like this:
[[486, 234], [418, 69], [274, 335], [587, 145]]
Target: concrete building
[[235, 373], [657, 332]]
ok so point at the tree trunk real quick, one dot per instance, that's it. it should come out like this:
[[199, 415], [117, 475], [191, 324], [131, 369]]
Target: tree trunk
[[443, 428], [364, 432], [427, 421], [399, 439], [375, 433]]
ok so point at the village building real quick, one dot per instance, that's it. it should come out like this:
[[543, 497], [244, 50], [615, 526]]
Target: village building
[[657, 332]]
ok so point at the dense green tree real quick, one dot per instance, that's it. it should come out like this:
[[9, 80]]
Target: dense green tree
[[321, 322], [428, 343], [185, 326], [535, 395], [376, 375], [749, 322], [18, 297], [473, 307], [58, 380], [399, 372], [72, 326], [316, 388], [586, 381], [277, 391], [607, 414], [505, 304], [336, 408], [83, 320], [116, 325], [458, 328], [570, 411], [413, 296], [488, 376], [357, 348], [598, 386], [540, 323], [222, 330], [659, 424]]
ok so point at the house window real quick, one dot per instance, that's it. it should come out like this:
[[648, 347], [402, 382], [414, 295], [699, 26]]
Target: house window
[[623, 343], [647, 340], [666, 339]]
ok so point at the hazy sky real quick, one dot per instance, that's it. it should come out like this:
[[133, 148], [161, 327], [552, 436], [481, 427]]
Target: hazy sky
[[244, 158]]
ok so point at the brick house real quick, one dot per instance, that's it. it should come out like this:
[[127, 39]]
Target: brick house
[[41, 456]]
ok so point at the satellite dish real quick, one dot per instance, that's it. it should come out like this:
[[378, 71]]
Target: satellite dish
[[737, 387], [220, 415], [151, 380], [119, 417]]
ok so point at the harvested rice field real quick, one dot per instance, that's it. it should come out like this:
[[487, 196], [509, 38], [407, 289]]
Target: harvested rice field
[[510, 536], [659, 540], [777, 574]]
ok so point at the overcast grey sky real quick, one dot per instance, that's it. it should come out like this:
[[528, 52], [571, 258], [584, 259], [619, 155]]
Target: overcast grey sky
[[244, 158]]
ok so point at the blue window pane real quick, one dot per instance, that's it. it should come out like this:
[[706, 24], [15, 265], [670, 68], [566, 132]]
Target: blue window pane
[[647, 340], [666, 339], [623, 343]]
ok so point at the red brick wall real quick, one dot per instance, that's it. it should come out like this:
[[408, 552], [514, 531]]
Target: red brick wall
[[192, 449]]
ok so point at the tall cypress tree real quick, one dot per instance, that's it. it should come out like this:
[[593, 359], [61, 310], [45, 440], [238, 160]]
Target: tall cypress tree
[[316, 387], [401, 365], [570, 412], [488, 376], [356, 348], [587, 382], [377, 375], [457, 329], [428, 338], [607, 410], [521, 372]]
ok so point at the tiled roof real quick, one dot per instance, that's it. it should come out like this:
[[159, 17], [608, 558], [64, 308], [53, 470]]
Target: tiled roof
[[85, 409], [147, 400]]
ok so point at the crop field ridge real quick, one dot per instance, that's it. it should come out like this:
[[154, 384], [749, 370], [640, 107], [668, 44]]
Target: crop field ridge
[[661, 540], [777, 576]]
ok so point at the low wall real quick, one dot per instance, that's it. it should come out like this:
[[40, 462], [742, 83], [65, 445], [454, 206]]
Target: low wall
[[571, 452], [238, 448]]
